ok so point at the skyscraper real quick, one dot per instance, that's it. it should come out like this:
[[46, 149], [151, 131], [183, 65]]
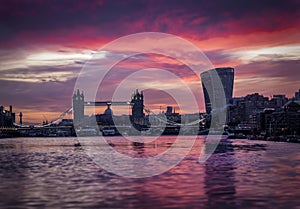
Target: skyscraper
[[212, 88]]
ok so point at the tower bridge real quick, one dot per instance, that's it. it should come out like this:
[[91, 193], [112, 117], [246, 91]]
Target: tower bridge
[[137, 119], [136, 103]]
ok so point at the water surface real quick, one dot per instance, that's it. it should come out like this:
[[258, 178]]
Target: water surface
[[52, 173]]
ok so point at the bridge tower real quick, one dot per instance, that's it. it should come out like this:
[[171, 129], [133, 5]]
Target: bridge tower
[[138, 115], [78, 107]]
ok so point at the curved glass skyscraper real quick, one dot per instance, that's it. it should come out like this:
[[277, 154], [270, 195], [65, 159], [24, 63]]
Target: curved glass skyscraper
[[226, 76]]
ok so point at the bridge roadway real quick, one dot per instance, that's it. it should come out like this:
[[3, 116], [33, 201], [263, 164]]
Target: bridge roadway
[[105, 103]]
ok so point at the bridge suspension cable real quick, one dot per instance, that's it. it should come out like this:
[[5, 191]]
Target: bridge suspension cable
[[59, 117], [148, 110]]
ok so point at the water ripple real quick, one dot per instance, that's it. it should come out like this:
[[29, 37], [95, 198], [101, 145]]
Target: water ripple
[[52, 173]]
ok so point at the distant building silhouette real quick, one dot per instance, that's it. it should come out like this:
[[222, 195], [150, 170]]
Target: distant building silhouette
[[107, 117], [297, 95], [21, 118], [169, 110], [277, 101], [244, 110], [251, 108], [7, 117], [108, 111], [226, 76], [283, 122]]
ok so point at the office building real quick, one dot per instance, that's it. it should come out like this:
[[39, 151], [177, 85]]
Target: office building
[[212, 88]]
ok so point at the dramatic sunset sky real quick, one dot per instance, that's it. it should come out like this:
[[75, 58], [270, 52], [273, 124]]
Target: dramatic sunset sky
[[44, 44]]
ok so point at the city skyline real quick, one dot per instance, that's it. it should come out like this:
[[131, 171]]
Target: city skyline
[[164, 109], [44, 46]]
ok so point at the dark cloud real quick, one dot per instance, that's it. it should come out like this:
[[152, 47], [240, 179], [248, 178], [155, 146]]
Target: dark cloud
[[91, 19], [41, 73], [218, 57], [268, 77], [44, 17], [287, 69], [44, 96], [50, 95]]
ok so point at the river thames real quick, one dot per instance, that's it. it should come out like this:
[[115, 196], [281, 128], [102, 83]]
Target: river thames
[[52, 173]]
